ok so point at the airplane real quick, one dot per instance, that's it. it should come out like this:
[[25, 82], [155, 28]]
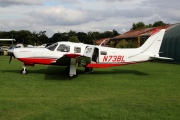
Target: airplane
[[71, 55]]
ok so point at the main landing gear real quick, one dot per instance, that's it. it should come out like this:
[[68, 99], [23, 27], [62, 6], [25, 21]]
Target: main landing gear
[[71, 69], [88, 70], [24, 70]]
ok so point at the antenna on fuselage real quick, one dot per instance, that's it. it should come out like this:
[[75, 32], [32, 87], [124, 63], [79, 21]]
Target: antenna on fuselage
[[103, 42]]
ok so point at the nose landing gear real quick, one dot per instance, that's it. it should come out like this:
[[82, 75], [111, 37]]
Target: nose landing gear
[[24, 70]]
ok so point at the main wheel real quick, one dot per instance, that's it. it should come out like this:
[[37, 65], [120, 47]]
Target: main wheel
[[71, 76]]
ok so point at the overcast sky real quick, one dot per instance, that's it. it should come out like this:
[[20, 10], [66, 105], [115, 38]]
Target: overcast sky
[[84, 15]]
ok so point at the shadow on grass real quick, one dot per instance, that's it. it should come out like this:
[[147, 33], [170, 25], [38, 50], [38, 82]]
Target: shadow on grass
[[51, 72], [120, 71], [58, 72]]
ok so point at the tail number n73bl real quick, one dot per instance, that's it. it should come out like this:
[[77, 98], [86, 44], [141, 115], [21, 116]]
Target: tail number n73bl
[[113, 58]]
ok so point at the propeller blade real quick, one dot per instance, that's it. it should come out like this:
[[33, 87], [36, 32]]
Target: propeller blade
[[11, 55]]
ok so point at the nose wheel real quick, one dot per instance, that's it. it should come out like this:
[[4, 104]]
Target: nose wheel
[[24, 70]]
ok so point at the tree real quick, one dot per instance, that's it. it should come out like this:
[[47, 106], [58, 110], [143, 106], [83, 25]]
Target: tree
[[159, 23], [23, 36], [141, 25], [32, 39], [64, 36], [133, 26], [43, 39], [149, 26], [56, 37], [73, 39], [115, 33], [138, 25], [72, 33], [83, 37], [93, 36]]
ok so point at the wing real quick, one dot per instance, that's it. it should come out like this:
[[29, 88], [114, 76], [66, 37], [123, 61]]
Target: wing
[[65, 60], [71, 61]]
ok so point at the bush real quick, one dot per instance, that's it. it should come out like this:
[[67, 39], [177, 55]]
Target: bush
[[122, 44]]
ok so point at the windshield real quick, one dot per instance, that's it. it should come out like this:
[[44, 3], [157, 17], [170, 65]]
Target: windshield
[[52, 47]]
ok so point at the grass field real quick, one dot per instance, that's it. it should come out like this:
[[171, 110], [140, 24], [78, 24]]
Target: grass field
[[146, 91]]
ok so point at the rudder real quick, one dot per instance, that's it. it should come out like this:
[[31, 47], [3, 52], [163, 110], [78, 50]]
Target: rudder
[[153, 43]]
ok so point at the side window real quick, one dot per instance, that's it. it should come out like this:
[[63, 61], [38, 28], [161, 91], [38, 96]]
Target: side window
[[52, 47], [103, 53], [77, 50], [63, 48]]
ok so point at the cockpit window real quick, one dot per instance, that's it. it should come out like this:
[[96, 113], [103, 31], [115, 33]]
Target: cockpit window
[[63, 48], [52, 47], [77, 50]]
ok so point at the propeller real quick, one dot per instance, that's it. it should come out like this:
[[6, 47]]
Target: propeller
[[11, 55]]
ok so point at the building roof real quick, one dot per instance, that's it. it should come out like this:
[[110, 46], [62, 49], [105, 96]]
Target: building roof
[[98, 42], [144, 32]]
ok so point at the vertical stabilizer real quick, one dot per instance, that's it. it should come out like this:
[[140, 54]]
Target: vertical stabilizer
[[153, 43]]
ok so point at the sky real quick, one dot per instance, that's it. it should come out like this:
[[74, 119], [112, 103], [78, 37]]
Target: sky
[[55, 16]]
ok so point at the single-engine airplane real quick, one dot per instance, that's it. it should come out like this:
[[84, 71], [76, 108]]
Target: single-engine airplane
[[72, 55]]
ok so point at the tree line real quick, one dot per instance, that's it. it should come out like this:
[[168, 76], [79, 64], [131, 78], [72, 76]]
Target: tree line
[[38, 38], [34, 38], [141, 25]]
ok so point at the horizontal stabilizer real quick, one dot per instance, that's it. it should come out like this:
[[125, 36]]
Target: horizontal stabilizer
[[164, 58]]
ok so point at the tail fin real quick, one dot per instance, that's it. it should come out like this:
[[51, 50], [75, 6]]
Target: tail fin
[[153, 43]]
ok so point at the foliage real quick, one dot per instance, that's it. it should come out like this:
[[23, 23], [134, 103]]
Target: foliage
[[111, 44], [132, 44], [73, 39], [141, 25], [26, 37], [57, 37], [93, 36], [72, 33], [125, 44], [83, 37], [159, 23], [122, 44], [138, 25]]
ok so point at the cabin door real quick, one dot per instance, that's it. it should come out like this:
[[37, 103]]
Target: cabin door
[[89, 51], [95, 55]]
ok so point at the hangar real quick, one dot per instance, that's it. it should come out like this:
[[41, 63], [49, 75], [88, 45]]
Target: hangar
[[171, 44]]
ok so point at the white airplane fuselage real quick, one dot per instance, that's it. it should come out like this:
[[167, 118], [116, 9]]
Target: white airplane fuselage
[[106, 55]]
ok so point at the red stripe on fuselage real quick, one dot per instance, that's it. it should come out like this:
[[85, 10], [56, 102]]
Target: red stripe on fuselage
[[106, 65], [46, 61], [93, 65]]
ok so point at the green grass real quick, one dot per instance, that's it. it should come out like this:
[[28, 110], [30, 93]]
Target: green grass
[[146, 91]]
